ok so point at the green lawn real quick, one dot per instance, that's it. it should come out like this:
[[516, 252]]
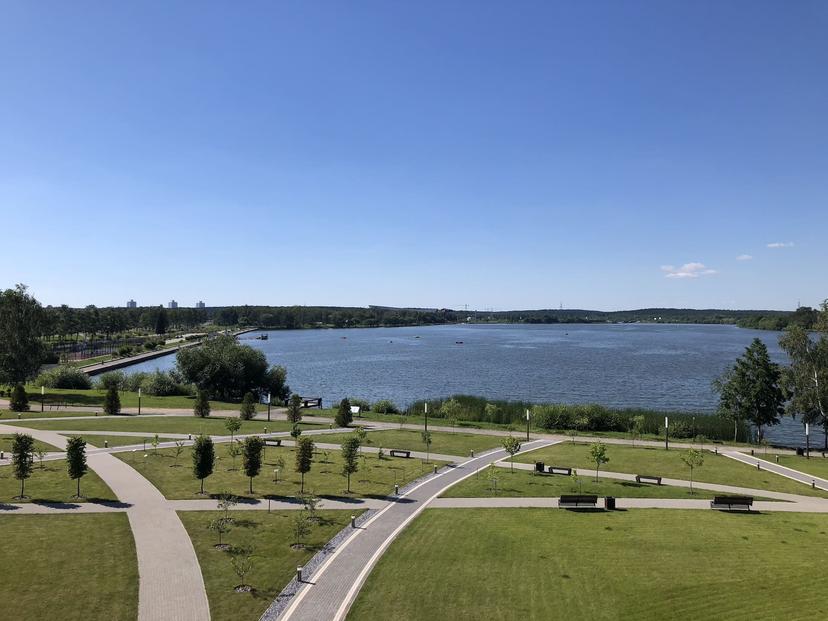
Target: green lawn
[[213, 425], [274, 560], [817, 465], [7, 439], [537, 564], [375, 477], [7, 415], [95, 397], [445, 443], [54, 568], [657, 461], [51, 483], [98, 440], [522, 483]]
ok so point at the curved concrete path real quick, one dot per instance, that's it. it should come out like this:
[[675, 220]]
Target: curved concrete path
[[332, 589], [170, 586]]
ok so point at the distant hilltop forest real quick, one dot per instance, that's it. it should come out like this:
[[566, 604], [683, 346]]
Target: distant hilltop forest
[[64, 320]]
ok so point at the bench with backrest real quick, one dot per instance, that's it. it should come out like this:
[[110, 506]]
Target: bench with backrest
[[399, 453], [720, 502], [577, 500], [559, 470], [647, 478], [273, 441]]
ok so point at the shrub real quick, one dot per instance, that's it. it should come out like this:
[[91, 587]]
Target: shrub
[[112, 378], [201, 408], [385, 406], [162, 384], [19, 401], [133, 381], [248, 407], [112, 402], [124, 350], [64, 377]]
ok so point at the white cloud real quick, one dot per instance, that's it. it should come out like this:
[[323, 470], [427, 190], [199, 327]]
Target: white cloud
[[688, 270], [744, 257], [781, 245]]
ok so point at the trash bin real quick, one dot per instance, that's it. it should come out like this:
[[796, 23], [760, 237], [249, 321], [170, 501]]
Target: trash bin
[[539, 466], [800, 451], [609, 503]]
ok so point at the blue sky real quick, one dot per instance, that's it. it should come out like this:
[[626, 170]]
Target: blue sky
[[508, 155]]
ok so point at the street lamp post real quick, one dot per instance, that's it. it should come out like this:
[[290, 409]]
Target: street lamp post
[[527, 424], [426, 416], [42, 397], [139, 401], [666, 433], [268, 407], [807, 441]]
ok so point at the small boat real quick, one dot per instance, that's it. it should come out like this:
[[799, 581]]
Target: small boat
[[262, 337], [458, 342]]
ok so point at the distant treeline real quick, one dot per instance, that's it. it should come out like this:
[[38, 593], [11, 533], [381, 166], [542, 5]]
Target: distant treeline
[[64, 322]]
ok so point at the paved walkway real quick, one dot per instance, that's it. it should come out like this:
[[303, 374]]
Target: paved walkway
[[796, 475], [170, 585], [330, 591]]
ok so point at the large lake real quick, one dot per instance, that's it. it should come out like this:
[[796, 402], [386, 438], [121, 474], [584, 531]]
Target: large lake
[[655, 366]]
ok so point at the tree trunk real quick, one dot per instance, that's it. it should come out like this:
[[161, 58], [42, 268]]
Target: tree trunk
[[22, 487], [735, 429], [251, 485], [202, 485], [78, 487], [302, 488], [349, 482]]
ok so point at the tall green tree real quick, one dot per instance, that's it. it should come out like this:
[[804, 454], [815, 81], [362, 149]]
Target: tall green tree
[[162, 322], [343, 414], [252, 457], [750, 390], [201, 407], [304, 458], [21, 326], [350, 457], [204, 458], [76, 460], [112, 402], [22, 459], [805, 380], [248, 407]]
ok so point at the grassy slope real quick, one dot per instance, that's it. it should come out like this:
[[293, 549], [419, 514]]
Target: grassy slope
[[375, 477], [274, 561], [54, 569], [7, 415], [161, 424], [538, 564], [52, 484], [521, 483], [445, 443], [95, 397], [656, 461]]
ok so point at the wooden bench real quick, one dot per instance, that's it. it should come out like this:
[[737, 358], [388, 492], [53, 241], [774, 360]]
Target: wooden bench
[[559, 470], [399, 453], [273, 441], [646, 478], [577, 500], [720, 502]]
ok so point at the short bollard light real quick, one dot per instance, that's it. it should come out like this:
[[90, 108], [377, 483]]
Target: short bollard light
[[716, 450], [298, 574], [758, 465], [396, 489], [471, 453], [435, 468], [777, 459], [265, 430], [1, 455], [106, 443], [19, 415], [813, 484], [275, 475], [133, 455], [189, 436], [353, 521]]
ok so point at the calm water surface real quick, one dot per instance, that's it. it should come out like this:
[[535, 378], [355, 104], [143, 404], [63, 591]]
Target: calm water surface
[[667, 367]]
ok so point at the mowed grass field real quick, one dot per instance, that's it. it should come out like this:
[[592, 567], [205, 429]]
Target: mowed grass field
[[7, 440], [817, 465], [270, 536], [71, 567], [445, 443], [540, 564], [375, 477], [657, 461], [51, 483], [522, 483], [213, 425]]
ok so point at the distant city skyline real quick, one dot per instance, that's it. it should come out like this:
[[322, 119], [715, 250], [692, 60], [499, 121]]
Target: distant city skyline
[[596, 155]]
